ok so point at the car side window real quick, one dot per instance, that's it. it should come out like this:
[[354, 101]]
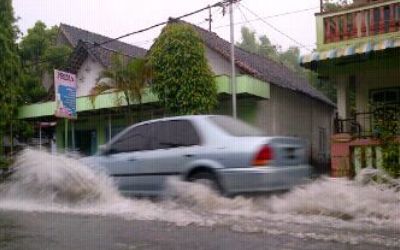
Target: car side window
[[137, 139], [174, 133]]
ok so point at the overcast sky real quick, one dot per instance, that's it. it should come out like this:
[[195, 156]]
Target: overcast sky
[[116, 17]]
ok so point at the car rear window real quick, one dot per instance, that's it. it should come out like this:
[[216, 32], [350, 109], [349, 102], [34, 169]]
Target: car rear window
[[235, 127]]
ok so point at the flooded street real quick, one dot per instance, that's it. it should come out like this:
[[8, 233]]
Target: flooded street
[[31, 231], [56, 202]]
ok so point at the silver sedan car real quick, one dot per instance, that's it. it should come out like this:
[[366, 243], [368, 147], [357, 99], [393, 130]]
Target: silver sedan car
[[229, 154]]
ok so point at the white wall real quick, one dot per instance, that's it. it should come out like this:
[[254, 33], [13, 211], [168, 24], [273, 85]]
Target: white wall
[[377, 79], [87, 76], [219, 64], [289, 113]]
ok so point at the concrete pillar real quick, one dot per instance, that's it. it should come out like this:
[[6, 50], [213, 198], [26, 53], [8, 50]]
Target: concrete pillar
[[342, 85]]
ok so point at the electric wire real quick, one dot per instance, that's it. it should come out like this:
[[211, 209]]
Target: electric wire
[[218, 4], [276, 29], [269, 17]]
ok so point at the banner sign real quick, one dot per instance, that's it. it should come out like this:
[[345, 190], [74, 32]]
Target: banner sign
[[65, 88]]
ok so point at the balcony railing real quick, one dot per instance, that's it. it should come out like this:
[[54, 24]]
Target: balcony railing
[[362, 23], [366, 124]]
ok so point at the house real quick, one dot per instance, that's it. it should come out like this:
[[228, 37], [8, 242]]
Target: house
[[270, 95], [358, 51]]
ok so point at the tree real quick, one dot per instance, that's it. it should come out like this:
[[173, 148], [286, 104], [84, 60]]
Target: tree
[[333, 5], [183, 80], [10, 72], [263, 46], [127, 76], [249, 41], [39, 45], [267, 49]]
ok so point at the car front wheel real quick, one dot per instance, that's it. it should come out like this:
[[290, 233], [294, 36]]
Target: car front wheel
[[207, 179]]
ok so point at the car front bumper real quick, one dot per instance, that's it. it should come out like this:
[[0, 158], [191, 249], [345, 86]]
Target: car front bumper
[[263, 179]]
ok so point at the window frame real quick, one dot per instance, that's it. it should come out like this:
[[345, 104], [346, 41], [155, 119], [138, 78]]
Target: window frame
[[198, 140], [123, 136], [384, 90]]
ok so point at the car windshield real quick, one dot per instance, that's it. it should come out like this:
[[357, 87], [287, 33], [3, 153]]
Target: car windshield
[[235, 127]]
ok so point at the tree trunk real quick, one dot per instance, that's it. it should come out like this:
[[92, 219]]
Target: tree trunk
[[130, 118], [140, 109], [1, 145], [11, 140]]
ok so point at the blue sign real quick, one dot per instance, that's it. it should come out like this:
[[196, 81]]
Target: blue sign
[[65, 88]]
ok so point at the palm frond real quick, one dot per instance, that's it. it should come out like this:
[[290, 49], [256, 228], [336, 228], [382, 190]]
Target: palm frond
[[100, 88], [130, 77]]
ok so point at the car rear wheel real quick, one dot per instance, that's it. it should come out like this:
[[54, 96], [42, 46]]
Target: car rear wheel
[[207, 179]]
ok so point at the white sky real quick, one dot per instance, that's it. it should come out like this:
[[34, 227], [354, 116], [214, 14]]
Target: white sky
[[116, 17]]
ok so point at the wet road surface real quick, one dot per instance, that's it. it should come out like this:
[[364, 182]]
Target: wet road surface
[[26, 231], [56, 202]]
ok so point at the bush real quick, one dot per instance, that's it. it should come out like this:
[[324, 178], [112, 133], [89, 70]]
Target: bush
[[386, 127], [182, 78]]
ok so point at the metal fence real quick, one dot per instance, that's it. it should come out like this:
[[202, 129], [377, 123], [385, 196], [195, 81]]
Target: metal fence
[[367, 124]]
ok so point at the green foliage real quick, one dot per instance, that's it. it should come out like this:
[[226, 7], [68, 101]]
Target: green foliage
[[127, 76], [39, 45], [387, 126], [183, 79], [10, 71], [333, 5], [323, 85], [4, 163], [263, 46]]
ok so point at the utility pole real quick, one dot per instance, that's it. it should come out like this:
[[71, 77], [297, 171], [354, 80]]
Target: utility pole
[[209, 19], [233, 73], [321, 6]]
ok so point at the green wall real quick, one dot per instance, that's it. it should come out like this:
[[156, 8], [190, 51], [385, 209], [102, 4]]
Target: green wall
[[91, 121], [245, 85]]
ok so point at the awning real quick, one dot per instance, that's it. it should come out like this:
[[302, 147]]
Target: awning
[[246, 85], [350, 50]]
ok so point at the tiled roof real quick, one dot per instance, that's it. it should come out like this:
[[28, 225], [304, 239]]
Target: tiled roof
[[83, 49], [261, 67], [74, 34]]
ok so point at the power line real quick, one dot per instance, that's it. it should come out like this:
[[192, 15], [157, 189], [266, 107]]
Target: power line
[[218, 4], [276, 29], [143, 41], [268, 17], [245, 18], [216, 12]]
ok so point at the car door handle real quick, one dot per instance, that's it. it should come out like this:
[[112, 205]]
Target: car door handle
[[132, 159], [188, 155]]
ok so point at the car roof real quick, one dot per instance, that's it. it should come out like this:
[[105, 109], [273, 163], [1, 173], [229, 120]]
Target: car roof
[[170, 118], [182, 117]]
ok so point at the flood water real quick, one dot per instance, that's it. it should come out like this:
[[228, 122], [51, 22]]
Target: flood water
[[328, 209]]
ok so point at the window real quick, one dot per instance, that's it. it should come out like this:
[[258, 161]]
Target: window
[[174, 133], [385, 96], [136, 139], [114, 131], [397, 15], [235, 127], [341, 27], [349, 22], [386, 15], [377, 16], [332, 26], [367, 22]]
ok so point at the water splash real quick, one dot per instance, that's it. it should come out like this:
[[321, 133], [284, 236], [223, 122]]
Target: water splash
[[56, 183], [55, 178]]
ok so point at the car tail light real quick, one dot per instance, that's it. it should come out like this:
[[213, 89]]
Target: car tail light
[[263, 156]]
